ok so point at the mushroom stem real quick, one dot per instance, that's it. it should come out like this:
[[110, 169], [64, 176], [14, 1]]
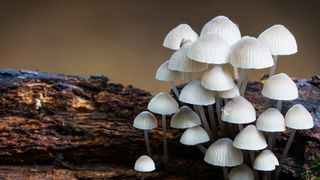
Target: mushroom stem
[[218, 110], [284, 153], [225, 101], [204, 121], [273, 68], [235, 73], [142, 177], [190, 76], [174, 88], [279, 105], [212, 122], [265, 175], [146, 138], [225, 172], [202, 148], [252, 157], [244, 82], [165, 145], [240, 78], [240, 126], [270, 140]]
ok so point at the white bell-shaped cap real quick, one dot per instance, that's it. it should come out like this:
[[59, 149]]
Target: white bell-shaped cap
[[193, 136], [238, 111], [185, 118], [179, 61], [250, 139], [144, 164], [222, 153], [280, 87], [224, 27], [179, 35], [242, 172], [194, 93], [210, 49], [266, 161], [298, 117], [249, 53], [271, 120], [163, 104], [166, 74], [231, 93], [145, 121], [216, 79], [279, 40]]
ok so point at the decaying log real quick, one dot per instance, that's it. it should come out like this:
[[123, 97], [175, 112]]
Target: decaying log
[[55, 126]]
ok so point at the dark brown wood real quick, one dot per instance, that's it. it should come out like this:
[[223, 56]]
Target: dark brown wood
[[80, 127]]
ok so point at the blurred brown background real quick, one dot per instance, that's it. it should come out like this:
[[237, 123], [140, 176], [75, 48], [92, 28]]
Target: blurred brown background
[[123, 39]]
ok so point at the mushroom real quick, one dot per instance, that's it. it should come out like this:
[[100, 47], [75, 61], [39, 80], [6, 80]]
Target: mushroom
[[145, 121], [296, 118], [185, 118], [271, 121], [144, 164], [280, 87], [266, 161], [249, 53], [195, 136], [222, 153], [226, 29], [242, 172], [228, 94], [280, 41], [179, 61], [179, 35], [163, 104], [194, 93], [166, 74]]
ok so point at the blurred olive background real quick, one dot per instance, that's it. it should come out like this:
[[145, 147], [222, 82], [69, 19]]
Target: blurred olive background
[[123, 39]]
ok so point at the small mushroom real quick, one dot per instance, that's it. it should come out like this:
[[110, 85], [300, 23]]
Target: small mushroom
[[280, 87], [266, 161], [195, 136], [228, 94], [280, 41], [145, 121], [163, 104], [222, 153], [144, 164], [242, 172], [185, 118], [179, 35], [166, 74]]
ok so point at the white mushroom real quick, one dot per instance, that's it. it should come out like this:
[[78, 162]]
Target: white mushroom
[[195, 136], [179, 35], [144, 164], [242, 172], [185, 118]]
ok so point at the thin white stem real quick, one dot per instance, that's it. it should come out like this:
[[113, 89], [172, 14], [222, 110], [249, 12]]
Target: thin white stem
[[240, 78], [279, 105], [273, 68], [146, 138], [213, 123], [190, 76], [225, 173], [244, 82], [175, 90], [218, 110], [240, 126], [202, 148], [284, 153], [252, 157], [204, 121], [235, 73], [270, 141], [265, 175], [165, 145]]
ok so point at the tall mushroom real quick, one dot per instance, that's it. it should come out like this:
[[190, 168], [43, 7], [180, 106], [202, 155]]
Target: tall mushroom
[[242, 172], [280, 41], [179, 35], [280, 87], [145, 121], [266, 161], [222, 153], [193, 93], [163, 104], [166, 74], [249, 53], [195, 136], [144, 164], [297, 118]]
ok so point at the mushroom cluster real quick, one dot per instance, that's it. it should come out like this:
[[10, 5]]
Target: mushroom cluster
[[231, 136]]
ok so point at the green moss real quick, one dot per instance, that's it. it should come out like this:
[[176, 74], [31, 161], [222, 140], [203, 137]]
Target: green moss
[[313, 172]]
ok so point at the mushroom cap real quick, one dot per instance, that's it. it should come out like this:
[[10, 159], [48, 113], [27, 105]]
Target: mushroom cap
[[194, 93], [231, 93], [271, 120], [179, 61], [242, 172], [194, 135], [280, 87], [238, 111], [216, 79], [249, 53], [210, 49], [222, 153], [166, 74], [250, 139], [298, 117], [279, 40], [145, 121], [224, 27], [266, 161], [144, 164], [163, 104], [185, 118], [179, 35]]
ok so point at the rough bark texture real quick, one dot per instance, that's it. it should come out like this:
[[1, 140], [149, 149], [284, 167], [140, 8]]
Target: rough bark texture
[[55, 126]]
